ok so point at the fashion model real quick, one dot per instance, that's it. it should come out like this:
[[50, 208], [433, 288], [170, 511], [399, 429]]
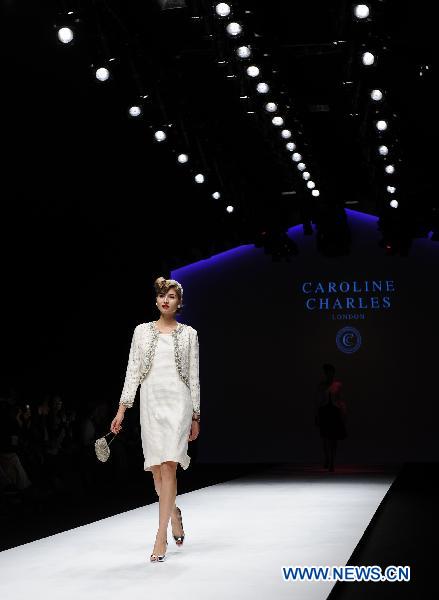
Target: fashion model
[[163, 359]]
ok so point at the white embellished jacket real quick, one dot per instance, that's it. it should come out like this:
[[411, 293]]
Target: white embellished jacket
[[142, 350]]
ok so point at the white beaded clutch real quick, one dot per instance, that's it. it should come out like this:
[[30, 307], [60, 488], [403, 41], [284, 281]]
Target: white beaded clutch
[[102, 449]]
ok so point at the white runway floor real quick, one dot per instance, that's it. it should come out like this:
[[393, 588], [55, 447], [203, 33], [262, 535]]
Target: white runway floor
[[239, 534]]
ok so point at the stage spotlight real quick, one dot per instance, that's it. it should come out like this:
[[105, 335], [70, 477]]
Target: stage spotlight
[[222, 9], [243, 52], [234, 29], [394, 203], [376, 95], [290, 146], [252, 71], [306, 175], [297, 157], [160, 136], [315, 193], [199, 178], [381, 125], [391, 189], [271, 107], [390, 169], [301, 166], [368, 59], [262, 88], [278, 121], [285, 133], [229, 209], [310, 185], [65, 35], [216, 195], [361, 11], [383, 150], [182, 158], [134, 111], [102, 74]]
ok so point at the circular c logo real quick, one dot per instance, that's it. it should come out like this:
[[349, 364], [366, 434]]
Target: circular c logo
[[348, 340]]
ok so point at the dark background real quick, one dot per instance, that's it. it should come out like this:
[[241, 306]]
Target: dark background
[[263, 370], [93, 211]]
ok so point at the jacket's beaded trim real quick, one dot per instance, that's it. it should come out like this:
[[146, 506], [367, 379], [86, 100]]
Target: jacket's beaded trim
[[152, 347], [146, 365], [178, 359]]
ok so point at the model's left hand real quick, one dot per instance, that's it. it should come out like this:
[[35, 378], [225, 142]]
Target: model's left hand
[[195, 430]]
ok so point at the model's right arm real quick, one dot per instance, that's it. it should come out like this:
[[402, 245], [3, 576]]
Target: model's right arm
[[132, 377]]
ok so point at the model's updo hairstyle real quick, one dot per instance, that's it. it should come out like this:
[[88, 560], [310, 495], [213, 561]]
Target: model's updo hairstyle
[[162, 285]]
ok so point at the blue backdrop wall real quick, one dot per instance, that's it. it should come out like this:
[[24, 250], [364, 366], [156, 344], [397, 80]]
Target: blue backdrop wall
[[265, 328]]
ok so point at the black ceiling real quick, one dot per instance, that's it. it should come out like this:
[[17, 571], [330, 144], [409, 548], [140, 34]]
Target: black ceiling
[[90, 198], [87, 162]]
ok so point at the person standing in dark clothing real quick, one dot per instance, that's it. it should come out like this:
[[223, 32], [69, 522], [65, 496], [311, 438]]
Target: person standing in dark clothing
[[330, 414]]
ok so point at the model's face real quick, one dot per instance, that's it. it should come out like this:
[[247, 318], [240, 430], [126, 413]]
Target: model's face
[[168, 302]]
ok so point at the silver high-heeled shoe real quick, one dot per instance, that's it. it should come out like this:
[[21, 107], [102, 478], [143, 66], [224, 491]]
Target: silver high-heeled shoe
[[158, 557], [179, 539]]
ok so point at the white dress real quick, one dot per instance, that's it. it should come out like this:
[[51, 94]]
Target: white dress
[[165, 409]]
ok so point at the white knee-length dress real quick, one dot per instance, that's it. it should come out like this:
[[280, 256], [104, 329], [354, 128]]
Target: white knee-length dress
[[165, 409]]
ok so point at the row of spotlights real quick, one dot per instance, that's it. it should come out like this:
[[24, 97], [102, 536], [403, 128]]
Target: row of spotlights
[[223, 10], [362, 11], [65, 35], [301, 166], [199, 177], [377, 96]]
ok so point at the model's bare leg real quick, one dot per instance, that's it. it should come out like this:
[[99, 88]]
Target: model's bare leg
[[155, 470], [168, 493], [176, 524]]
